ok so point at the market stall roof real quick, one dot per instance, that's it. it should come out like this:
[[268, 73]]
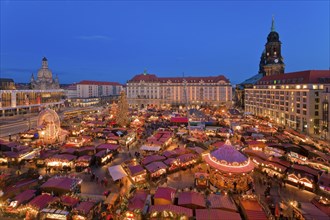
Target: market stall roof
[[155, 166], [256, 153], [222, 202], [85, 207], [253, 210], [25, 196], [179, 120], [150, 148], [205, 214], [41, 201], [69, 201], [166, 193], [67, 157], [198, 150], [310, 211], [60, 183], [191, 199], [117, 172], [152, 158], [186, 157], [138, 200], [170, 161], [172, 208], [108, 147], [84, 158], [136, 169]]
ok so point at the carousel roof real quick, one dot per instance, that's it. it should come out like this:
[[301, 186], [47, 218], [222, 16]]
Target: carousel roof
[[228, 159]]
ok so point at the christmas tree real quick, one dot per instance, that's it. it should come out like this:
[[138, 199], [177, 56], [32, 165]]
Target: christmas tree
[[113, 111], [122, 115]]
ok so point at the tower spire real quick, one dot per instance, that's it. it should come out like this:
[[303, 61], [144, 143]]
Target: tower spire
[[273, 24]]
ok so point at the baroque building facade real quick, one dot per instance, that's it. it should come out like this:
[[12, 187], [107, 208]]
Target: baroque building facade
[[148, 89]]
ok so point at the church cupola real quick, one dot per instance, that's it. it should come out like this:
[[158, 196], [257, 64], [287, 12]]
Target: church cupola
[[44, 63]]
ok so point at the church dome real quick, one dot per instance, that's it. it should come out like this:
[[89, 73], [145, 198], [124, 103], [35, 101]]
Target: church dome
[[45, 73]]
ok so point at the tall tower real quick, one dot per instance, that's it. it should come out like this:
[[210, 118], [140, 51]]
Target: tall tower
[[271, 61]]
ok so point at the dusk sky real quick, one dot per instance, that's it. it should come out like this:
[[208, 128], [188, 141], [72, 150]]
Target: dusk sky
[[113, 41]]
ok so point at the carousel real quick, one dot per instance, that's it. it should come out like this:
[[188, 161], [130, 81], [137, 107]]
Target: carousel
[[229, 168]]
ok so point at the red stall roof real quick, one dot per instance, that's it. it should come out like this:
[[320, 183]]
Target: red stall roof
[[179, 120], [206, 214]]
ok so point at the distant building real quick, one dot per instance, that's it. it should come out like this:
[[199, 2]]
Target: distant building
[[298, 100], [45, 92], [271, 63], [92, 89], [87, 93], [7, 84], [148, 89], [44, 79]]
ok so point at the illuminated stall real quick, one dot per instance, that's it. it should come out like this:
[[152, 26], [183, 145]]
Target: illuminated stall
[[137, 173], [61, 161], [156, 169]]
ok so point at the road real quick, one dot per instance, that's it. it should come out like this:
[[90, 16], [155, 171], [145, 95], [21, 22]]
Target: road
[[18, 126], [23, 123]]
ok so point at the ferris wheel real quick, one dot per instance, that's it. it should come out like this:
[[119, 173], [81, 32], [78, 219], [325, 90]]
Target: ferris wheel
[[49, 122]]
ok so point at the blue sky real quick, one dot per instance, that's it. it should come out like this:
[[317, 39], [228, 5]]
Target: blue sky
[[113, 41]]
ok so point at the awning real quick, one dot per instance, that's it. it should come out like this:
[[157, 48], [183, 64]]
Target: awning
[[150, 148], [117, 172]]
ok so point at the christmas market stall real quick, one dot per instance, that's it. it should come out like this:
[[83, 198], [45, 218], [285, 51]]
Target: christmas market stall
[[61, 185], [187, 159], [170, 212], [82, 163], [152, 158], [221, 201], [164, 196], [20, 200], [156, 169], [173, 164], [84, 211], [62, 161], [191, 200], [117, 172], [103, 157], [137, 173], [113, 148], [251, 208], [33, 208]]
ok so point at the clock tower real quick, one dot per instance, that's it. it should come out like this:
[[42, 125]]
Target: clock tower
[[271, 61]]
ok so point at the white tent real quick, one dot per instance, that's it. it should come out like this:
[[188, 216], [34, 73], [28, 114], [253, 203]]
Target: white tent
[[150, 148], [117, 172]]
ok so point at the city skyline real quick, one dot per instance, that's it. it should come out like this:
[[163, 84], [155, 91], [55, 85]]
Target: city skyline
[[118, 40]]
